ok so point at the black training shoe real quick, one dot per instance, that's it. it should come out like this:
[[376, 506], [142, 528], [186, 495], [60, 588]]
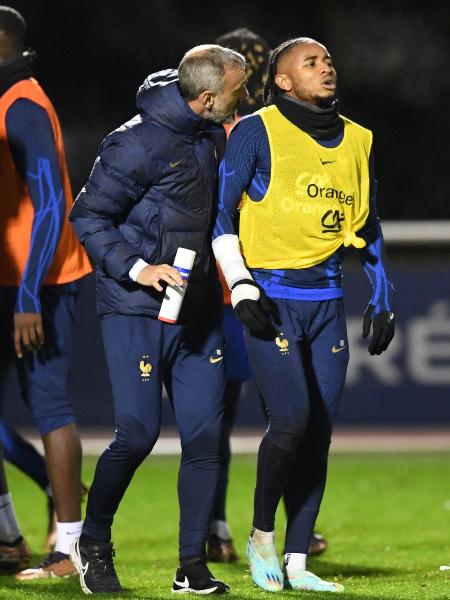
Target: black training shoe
[[194, 577], [94, 563]]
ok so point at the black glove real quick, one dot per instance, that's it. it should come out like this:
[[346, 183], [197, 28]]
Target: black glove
[[256, 314], [383, 329]]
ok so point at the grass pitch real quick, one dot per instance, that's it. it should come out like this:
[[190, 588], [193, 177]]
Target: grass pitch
[[387, 519]]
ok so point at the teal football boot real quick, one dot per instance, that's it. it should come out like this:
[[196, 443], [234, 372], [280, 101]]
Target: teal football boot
[[264, 566]]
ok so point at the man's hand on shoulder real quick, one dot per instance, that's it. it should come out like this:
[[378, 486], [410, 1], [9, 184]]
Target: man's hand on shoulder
[[28, 332], [152, 275]]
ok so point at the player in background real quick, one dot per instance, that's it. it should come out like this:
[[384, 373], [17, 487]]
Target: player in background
[[237, 369], [15, 553], [303, 175], [42, 262], [24, 456]]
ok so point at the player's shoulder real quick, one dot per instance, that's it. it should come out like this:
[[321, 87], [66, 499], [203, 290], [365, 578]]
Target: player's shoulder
[[26, 108], [248, 134], [248, 124], [356, 126]]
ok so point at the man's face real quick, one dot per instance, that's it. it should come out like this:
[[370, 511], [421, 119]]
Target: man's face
[[307, 73], [6, 50], [226, 102]]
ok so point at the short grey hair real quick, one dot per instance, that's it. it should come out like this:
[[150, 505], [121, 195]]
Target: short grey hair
[[203, 68]]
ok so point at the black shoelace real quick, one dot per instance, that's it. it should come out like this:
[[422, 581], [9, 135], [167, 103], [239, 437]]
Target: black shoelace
[[101, 561]]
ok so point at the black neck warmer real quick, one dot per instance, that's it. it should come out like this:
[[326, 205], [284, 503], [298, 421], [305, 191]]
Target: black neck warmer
[[16, 69], [319, 123]]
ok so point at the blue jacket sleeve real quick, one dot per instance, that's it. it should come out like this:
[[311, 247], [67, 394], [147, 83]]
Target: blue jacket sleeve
[[30, 138], [245, 167], [372, 257], [117, 182]]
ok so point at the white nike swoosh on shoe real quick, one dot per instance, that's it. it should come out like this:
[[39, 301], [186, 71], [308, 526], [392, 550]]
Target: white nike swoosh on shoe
[[75, 557], [183, 584], [84, 568]]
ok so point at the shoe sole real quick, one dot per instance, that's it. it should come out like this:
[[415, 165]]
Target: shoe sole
[[201, 592], [41, 574], [76, 561], [307, 588]]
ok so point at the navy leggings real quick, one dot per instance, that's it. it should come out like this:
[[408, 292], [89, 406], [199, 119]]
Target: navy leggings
[[143, 354], [23, 455], [300, 376]]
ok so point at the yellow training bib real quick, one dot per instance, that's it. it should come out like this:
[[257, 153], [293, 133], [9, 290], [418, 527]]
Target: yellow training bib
[[318, 198]]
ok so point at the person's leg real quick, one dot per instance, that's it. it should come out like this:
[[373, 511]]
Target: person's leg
[[135, 358], [23, 455], [197, 387], [196, 390], [43, 377], [237, 370], [232, 393], [220, 542], [325, 371], [63, 452], [14, 551], [278, 370], [135, 365]]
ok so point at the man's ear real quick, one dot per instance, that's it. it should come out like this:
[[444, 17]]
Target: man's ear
[[283, 82], [207, 99]]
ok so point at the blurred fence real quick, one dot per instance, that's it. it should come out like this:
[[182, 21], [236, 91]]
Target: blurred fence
[[409, 384]]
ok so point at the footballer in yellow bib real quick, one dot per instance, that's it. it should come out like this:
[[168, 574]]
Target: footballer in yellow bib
[[304, 180], [318, 198]]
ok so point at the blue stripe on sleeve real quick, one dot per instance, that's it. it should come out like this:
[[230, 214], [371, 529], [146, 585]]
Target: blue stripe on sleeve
[[372, 261], [30, 137]]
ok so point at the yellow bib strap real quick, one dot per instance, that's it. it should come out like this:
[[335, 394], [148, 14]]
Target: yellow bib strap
[[351, 239]]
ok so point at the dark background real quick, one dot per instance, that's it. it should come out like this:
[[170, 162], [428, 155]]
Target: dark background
[[392, 59]]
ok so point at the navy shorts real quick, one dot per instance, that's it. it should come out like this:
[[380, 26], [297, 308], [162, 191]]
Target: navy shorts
[[42, 375]]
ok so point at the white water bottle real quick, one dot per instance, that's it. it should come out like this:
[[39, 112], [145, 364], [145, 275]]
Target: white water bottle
[[174, 294]]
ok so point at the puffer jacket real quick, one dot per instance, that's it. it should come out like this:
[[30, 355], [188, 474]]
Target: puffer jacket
[[151, 190]]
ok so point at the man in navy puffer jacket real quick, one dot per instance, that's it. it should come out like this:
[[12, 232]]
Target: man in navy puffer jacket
[[152, 190]]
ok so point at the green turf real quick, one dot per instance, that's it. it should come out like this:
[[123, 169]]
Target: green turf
[[387, 518]]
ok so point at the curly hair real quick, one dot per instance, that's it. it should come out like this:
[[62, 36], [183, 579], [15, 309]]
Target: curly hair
[[256, 51]]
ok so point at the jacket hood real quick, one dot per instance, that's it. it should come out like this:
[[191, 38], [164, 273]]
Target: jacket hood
[[160, 99]]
